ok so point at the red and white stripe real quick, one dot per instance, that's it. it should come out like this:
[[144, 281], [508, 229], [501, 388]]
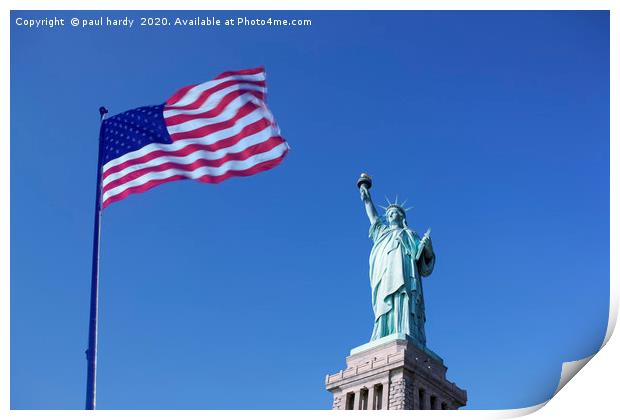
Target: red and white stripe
[[219, 129]]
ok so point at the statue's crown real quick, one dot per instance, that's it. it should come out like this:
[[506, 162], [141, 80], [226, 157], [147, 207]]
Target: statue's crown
[[396, 205]]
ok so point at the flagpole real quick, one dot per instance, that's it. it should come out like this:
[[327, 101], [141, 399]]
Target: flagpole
[[91, 352]]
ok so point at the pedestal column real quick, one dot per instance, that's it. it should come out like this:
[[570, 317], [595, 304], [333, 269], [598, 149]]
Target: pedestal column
[[402, 370]]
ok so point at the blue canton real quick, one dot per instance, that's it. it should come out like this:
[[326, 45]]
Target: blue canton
[[132, 130]]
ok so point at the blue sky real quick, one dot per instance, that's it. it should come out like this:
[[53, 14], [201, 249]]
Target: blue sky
[[494, 125]]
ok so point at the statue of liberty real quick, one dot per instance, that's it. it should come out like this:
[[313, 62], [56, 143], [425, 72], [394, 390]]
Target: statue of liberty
[[398, 260]]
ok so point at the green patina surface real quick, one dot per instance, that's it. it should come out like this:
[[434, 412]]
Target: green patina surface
[[398, 260]]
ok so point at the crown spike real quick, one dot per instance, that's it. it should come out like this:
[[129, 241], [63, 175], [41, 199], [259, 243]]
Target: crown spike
[[396, 202], [388, 201]]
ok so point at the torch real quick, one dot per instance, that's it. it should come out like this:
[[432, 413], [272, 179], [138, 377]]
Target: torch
[[364, 180]]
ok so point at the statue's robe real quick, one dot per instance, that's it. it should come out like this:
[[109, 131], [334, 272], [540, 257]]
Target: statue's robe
[[396, 281]]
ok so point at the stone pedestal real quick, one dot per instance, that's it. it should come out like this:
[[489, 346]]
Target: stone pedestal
[[394, 373]]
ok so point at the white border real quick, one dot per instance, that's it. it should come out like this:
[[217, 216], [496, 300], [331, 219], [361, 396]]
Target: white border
[[593, 395]]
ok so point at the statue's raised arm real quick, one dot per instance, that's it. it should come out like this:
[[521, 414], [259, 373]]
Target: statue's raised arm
[[364, 183]]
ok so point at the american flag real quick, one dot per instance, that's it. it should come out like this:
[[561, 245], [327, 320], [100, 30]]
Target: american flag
[[207, 132]]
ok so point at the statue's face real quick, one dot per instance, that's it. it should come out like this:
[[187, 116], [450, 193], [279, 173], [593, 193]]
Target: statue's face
[[394, 217]]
